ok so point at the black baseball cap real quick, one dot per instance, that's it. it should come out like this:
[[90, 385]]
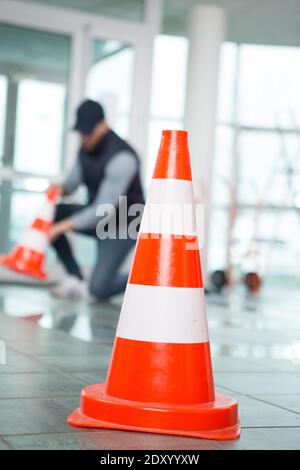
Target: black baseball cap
[[89, 114]]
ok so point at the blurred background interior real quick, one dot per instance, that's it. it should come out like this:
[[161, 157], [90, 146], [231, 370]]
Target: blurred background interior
[[228, 71], [151, 62]]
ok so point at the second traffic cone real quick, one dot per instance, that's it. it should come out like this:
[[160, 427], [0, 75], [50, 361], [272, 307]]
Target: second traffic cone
[[29, 256], [160, 377]]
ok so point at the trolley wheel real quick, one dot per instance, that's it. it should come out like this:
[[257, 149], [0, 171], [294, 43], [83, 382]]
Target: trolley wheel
[[219, 279], [253, 282]]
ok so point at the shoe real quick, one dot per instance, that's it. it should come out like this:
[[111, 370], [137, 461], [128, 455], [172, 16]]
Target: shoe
[[71, 288]]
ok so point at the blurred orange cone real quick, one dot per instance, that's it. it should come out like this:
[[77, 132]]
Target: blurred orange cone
[[160, 377], [28, 258]]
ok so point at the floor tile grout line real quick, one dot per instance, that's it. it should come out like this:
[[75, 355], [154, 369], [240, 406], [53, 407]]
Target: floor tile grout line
[[63, 433], [33, 355], [63, 372], [56, 397], [10, 447], [78, 430], [62, 334], [270, 427], [36, 372], [251, 396], [55, 370], [52, 397], [252, 372], [258, 399], [269, 369], [273, 404]]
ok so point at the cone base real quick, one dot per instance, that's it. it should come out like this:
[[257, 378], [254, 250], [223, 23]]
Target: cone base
[[217, 420], [10, 263]]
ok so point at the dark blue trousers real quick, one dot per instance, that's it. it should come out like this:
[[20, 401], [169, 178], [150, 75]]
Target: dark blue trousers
[[106, 279]]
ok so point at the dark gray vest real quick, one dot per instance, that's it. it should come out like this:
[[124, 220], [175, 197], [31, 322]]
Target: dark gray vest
[[93, 167]]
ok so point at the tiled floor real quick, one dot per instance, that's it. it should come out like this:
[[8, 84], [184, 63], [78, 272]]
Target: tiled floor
[[55, 348]]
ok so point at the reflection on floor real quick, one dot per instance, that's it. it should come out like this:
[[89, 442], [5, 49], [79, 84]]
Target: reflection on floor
[[60, 346]]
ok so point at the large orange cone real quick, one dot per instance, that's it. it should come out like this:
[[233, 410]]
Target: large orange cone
[[28, 258], [160, 377]]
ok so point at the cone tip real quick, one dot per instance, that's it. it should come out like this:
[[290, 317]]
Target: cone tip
[[174, 132], [53, 193], [173, 159]]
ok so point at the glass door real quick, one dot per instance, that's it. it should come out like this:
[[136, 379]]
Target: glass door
[[34, 74], [110, 81]]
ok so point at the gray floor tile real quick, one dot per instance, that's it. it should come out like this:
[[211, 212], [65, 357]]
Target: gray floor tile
[[264, 439], [228, 364], [17, 362], [4, 445], [254, 413], [107, 440], [50, 345], [260, 384], [289, 402], [38, 385], [40, 389], [282, 365], [90, 378], [82, 363], [27, 416]]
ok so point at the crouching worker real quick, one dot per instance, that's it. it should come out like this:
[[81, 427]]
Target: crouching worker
[[109, 168]]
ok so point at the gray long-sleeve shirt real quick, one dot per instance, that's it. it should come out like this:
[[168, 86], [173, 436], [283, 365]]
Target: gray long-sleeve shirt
[[118, 175]]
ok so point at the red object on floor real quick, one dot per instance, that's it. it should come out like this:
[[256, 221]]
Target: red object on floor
[[34, 318], [29, 256], [160, 378], [253, 282]]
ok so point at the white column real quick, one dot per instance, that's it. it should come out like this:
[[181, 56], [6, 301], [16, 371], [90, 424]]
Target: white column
[[206, 34], [79, 65], [143, 78]]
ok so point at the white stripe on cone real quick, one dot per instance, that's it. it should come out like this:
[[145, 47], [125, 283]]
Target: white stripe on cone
[[35, 240], [169, 208], [46, 212], [163, 314]]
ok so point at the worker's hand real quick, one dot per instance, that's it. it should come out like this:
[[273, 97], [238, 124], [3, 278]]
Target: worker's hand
[[60, 228], [56, 187]]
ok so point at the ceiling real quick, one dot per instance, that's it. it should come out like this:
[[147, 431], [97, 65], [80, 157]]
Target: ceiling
[[23, 49], [252, 21], [127, 9]]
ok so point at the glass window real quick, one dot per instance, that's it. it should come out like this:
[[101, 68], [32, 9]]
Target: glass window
[[258, 161], [218, 239], [29, 52], [222, 172], [3, 93], [110, 58], [228, 64], [40, 125], [268, 168], [169, 76], [267, 240], [168, 92], [269, 92], [262, 118], [36, 64]]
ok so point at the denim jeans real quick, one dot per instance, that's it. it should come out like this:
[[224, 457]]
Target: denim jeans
[[106, 280]]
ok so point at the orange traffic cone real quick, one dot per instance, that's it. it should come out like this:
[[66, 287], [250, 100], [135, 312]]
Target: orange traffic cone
[[28, 257], [160, 377]]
